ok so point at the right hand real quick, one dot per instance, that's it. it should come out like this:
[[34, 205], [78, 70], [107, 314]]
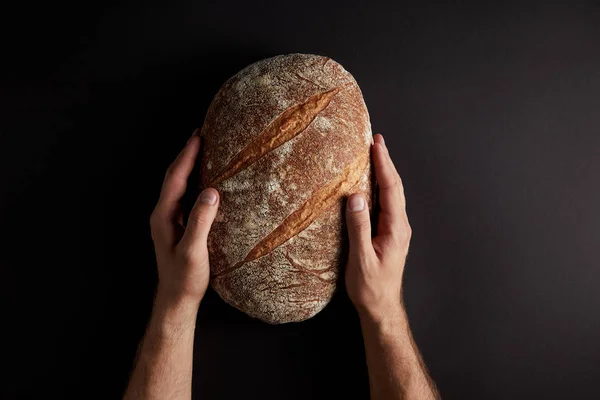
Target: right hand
[[376, 265]]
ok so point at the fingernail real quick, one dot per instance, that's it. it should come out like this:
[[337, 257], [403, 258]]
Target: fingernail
[[196, 131], [382, 140], [209, 197], [356, 203]]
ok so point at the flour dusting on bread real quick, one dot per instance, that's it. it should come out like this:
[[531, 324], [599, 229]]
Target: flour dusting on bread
[[276, 135]]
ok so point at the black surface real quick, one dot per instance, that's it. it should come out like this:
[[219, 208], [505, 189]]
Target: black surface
[[493, 119]]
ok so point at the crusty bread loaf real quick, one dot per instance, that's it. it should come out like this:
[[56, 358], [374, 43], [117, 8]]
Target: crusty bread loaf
[[285, 141]]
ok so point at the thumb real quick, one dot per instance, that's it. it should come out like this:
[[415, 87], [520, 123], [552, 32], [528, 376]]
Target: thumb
[[359, 226], [201, 218]]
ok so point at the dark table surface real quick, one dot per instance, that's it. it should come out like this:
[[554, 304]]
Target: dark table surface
[[492, 115]]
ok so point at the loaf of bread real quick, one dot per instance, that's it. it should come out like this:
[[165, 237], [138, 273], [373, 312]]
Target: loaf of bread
[[285, 141]]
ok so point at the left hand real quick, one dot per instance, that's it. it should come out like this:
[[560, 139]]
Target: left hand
[[181, 252]]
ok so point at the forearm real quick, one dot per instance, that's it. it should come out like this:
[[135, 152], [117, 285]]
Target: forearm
[[163, 368], [396, 370]]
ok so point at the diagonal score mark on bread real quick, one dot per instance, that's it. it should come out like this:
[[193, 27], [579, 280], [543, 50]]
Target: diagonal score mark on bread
[[309, 211], [318, 274], [285, 127]]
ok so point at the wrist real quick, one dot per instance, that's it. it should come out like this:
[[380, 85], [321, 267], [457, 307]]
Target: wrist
[[175, 313], [174, 296], [384, 319]]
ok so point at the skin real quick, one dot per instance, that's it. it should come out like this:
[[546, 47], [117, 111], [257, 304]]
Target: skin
[[163, 369], [164, 364], [374, 284]]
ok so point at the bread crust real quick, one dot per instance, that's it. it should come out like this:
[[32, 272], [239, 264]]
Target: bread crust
[[285, 141]]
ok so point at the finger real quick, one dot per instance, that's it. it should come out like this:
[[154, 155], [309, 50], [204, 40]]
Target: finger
[[175, 182], [395, 172], [391, 199], [398, 177], [359, 227], [378, 138], [201, 218]]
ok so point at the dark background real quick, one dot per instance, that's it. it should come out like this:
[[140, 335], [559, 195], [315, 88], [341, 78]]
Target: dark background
[[492, 115]]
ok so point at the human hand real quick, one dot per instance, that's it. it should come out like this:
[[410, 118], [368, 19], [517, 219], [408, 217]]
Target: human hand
[[181, 252], [376, 265]]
